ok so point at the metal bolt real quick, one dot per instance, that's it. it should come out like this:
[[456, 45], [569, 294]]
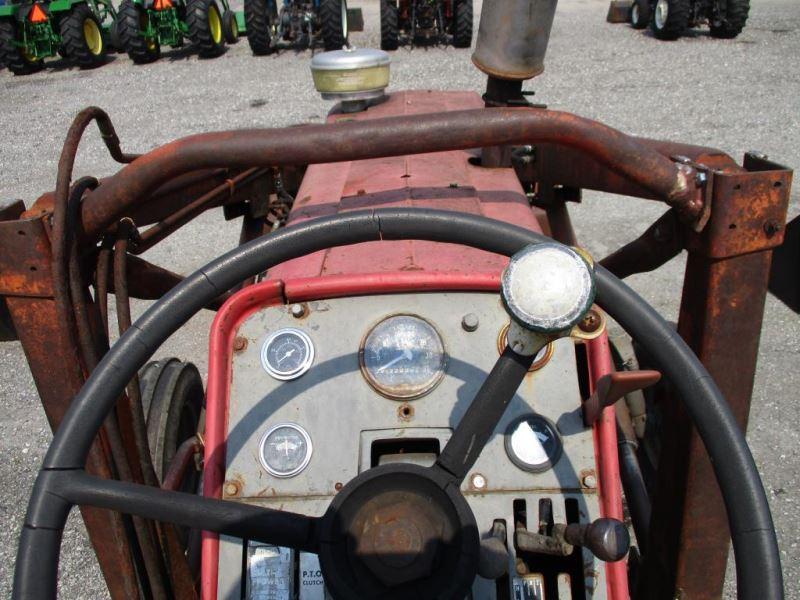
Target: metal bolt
[[231, 488], [757, 154], [338, 486], [239, 343], [470, 322], [590, 322], [771, 228], [478, 481], [590, 481], [297, 310]]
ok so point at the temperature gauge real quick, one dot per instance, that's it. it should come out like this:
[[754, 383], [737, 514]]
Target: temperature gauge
[[285, 450], [532, 443], [287, 354]]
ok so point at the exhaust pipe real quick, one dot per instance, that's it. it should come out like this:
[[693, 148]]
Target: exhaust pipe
[[512, 38]]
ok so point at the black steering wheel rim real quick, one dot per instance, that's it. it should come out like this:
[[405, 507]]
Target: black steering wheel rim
[[62, 482]]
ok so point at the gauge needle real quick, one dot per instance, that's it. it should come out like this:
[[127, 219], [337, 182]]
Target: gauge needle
[[287, 355], [406, 354]]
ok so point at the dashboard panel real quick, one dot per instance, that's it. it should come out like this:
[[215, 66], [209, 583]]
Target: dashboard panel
[[387, 378]]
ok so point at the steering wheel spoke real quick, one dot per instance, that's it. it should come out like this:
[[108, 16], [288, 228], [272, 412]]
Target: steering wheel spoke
[[484, 413], [236, 519]]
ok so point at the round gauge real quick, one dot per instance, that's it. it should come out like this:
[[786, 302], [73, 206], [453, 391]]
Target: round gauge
[[285, 450], [403, 357], [287, 353], [532, 443], [542, 357]]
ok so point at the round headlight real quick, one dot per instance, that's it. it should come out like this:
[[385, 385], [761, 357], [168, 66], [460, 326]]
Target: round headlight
[[548, 287]]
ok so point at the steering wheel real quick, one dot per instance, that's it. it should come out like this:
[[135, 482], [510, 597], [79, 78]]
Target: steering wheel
[[433, 552]]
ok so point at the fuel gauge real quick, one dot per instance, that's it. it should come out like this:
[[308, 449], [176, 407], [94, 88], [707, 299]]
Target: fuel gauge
[[287, 353]]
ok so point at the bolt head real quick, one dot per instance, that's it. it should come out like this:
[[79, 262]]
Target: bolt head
[[297, 310], [470, 322]]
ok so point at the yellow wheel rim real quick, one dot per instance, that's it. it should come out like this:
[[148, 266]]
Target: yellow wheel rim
[[29, 56], [93, 37], [215, 24]]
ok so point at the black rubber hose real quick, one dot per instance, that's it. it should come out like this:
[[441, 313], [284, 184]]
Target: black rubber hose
[[755, 546]]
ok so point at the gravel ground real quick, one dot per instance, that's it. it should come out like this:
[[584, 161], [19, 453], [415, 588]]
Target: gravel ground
[[737, 95]]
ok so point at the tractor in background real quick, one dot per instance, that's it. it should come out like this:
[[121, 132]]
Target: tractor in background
[[426, 22], [669, 19], [144, 26], [297, 23], [78, 30]]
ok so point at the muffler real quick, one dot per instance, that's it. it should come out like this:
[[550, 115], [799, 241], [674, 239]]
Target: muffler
[[512, 38]]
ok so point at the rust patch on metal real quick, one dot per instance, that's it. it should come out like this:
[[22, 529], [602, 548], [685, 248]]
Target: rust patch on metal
[[239, 343]]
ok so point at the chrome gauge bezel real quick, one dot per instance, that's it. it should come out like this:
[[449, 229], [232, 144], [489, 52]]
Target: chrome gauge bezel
[[306, 459], [396, 394], [526, 466], [296, 372]]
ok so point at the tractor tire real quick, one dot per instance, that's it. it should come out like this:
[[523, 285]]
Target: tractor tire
[[259, 17], [670, 18], [462, 24], [640, 14], [333, 16], [205, 27], [82, 37], [733, 19], [230, 27], [11, 55], [115, 39], [131, 20], [390, 33]]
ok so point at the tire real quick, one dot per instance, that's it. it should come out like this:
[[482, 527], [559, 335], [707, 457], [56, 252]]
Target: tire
[[640, 14], [670, 18], [259, 17], [204, 21], [131, 19], [11, 55], [333, 16], [390, 34], [230, 27], [462, 26], [733, 19], [116, 40], [82, 37]]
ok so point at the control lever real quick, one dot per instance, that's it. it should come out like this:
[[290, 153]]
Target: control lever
[[614, 386], [607, 539], [493, 557]]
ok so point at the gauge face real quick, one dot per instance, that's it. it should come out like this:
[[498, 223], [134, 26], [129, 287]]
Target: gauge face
[[287, 353], [403, 357], [285, 450], [532, 443]]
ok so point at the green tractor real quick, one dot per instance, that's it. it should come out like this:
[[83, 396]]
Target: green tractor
[[144, 26], [78, 30]]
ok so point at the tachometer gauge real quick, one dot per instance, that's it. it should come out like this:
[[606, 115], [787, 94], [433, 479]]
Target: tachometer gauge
[[285, 450], [403, 356], [532, 443], [287, 353]]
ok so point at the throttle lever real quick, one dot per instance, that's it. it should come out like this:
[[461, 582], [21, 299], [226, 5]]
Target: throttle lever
[[607, 539]]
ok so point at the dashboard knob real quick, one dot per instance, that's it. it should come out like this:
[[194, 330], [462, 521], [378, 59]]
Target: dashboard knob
[[547, 288]]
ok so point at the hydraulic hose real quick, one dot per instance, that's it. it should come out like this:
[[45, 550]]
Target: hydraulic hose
[[755, 545]]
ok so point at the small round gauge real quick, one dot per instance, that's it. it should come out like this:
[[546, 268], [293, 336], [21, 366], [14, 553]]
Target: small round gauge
[[403, 356], [542, 357], [532, 443], [287, 353], [285, 450]]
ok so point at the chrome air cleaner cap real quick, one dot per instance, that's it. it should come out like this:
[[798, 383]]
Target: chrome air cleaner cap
[[355, 76], [547, 288]]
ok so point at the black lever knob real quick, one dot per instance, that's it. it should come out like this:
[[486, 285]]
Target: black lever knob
[[607, 539]]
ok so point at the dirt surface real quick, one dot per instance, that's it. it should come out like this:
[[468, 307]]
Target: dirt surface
[[737, 95]]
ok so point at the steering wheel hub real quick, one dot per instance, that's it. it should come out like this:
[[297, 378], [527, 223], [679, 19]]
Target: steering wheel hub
[[399, 531]]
